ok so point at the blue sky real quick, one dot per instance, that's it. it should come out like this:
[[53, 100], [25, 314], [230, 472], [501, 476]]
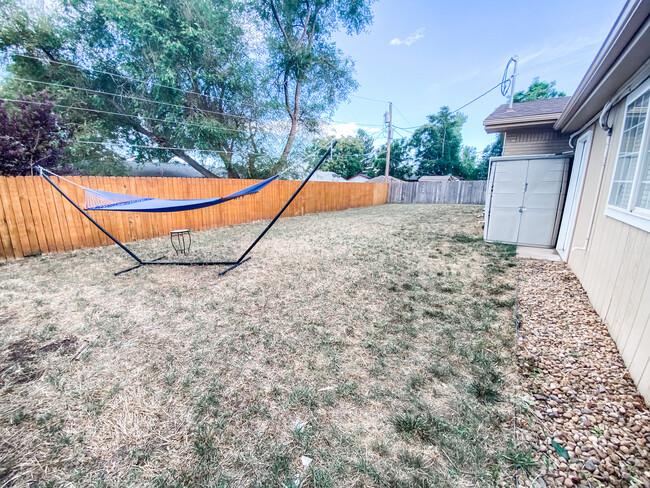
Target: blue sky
[[447, 53]]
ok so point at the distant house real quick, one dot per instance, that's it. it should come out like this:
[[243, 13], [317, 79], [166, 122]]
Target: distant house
[[158, 169], [527, 127], [439, 178], [360, 178], [327, 176], [604, 227], [382, 179]]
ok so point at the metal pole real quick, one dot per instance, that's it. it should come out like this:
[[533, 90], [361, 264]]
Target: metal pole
[[390, 123], [124, 248], [514, 78], [288, 202]]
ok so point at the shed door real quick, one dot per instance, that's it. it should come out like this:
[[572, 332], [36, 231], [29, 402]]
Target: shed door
[[524, 200]]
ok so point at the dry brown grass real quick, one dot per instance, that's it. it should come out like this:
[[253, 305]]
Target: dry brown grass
[[375, 341]]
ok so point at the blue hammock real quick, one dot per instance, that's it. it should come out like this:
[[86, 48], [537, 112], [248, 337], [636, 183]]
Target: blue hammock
[[119, 202]]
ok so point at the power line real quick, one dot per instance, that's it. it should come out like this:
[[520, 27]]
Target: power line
[[370, 99], [480, 96], [129, 78], [143, 146], [88, 90], [399, 112], [69, 107]]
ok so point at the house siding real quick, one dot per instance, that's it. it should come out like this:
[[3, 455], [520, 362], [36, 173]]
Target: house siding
[[535, 141], [615, 268]]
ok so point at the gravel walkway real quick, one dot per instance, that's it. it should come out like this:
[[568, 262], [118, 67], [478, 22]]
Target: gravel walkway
[[581, 395]]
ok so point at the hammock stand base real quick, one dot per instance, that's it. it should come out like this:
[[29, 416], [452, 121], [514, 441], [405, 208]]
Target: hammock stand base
[[231, 264]]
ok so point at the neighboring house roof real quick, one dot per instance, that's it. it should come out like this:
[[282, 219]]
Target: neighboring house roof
[[382, 179], [359, 178], [326, 176], [439, 178], [622, 54], [526, 114], [177, 170]]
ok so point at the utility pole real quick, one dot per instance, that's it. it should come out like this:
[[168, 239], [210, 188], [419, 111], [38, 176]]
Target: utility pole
[[388, 118]]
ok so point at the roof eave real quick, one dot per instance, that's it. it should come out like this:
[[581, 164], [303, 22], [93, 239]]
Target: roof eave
[[502, 125]]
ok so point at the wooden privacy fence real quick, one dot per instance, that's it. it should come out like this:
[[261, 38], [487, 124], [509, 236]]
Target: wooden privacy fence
[[35, 218], [471, 192]]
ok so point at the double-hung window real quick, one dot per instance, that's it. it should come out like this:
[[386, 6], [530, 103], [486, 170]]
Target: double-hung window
[[629, 197]]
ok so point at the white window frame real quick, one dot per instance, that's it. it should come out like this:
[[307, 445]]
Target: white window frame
[[637, 217]]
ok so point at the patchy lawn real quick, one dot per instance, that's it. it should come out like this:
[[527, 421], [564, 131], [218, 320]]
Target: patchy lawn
[[376, 342]]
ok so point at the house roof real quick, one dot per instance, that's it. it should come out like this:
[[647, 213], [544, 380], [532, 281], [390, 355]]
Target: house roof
[[327, 176], [360, 175], [170, 169], [526, 114], [382, 179], [624, 51], [439, 178]]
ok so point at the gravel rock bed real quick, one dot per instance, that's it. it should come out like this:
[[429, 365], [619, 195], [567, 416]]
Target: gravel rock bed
[[579, 392]]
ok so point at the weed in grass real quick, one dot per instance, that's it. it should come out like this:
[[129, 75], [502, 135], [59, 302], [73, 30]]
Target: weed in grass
[[303, 396], [321, 479], [204, 445], [363, 466], [415, 382], [18, 416], [520, 458], [484, 392], [440, 371]]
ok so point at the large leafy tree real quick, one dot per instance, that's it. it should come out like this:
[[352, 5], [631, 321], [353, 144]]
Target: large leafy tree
[[491, 150], [347, 158], [437, 144], [310, 74], [400, 164], [153, 74], [30, 135], [538, 90]]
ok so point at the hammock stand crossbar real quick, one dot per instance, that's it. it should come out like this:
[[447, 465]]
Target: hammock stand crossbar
[[158, 261]]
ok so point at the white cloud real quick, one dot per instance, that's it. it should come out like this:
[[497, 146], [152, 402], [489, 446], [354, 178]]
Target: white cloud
[[412, 37], [344, 129]]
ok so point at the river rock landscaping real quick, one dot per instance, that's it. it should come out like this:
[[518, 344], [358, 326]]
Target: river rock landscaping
[[587, 424]]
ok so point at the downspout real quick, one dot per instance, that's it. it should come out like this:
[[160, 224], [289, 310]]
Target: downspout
[[604, 116]]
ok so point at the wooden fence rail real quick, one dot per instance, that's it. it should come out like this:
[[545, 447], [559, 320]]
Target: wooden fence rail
[[469, 192], [34, 218]]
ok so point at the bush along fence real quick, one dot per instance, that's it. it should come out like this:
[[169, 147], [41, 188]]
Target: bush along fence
[[469, 192], [35, 218]]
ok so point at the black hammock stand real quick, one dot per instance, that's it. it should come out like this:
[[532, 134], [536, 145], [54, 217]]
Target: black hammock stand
[[158, 261]]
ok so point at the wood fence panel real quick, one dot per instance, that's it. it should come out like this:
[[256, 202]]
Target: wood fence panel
[[456, 192], [35, 218]]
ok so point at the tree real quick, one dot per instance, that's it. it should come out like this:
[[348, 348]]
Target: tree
[[491, 150], [436, 145], [159, 75], [346, 160], [538, 90], [400, 165], [311, 75], [31, 134]]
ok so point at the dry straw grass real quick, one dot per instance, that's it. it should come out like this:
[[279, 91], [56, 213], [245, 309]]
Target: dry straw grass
[[375, 341]]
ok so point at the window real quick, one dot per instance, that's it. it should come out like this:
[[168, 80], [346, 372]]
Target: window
[[629, 197]]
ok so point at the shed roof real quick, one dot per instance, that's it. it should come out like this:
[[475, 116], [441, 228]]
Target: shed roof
[[525, 114], [382, 179]]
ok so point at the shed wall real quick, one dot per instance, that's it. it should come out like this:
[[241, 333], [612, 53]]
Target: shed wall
[[615, 268], [535, 141]]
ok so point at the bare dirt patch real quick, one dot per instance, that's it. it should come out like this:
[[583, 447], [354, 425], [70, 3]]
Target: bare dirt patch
[[377, 342]]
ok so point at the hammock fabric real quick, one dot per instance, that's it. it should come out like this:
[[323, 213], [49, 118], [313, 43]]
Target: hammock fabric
[[119, 202]]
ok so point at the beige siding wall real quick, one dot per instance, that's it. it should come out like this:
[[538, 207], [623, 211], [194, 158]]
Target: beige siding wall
[[535, 141], [615, 268]]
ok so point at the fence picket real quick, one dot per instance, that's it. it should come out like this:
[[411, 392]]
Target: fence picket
[[35, 217]]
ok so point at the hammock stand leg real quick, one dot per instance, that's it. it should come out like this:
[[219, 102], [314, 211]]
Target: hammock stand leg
[[231, 264], [124, 248]]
